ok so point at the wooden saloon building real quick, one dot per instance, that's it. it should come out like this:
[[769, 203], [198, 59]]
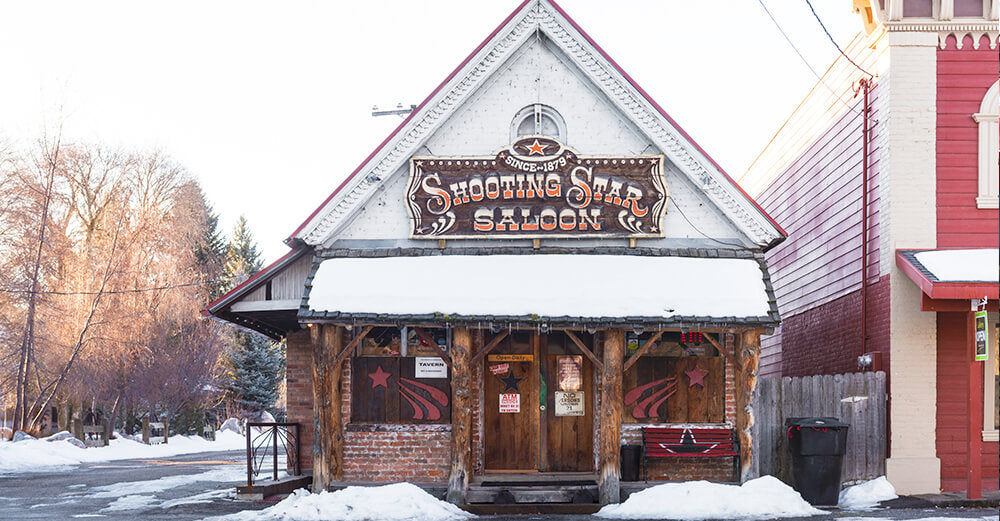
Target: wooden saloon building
[[534, 267]]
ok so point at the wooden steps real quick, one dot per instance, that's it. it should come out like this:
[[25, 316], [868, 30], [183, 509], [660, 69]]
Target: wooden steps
[[523, 490]]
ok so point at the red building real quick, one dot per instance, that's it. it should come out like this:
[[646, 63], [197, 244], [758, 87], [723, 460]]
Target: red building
[[885, 177]]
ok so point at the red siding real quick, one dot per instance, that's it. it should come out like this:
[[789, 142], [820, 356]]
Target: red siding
[[963, 77], [953, 407]]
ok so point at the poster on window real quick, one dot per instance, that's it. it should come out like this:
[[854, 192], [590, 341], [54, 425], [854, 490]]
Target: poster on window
[[430, 367], [570, 403], [510, 403], [982, 337], [569, 370]]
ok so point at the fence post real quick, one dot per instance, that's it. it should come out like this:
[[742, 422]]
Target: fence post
[[166, 430], [249, 458], [145, 430], [275, 456]]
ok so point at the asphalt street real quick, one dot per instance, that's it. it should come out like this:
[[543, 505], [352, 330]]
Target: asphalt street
[[198, 486]]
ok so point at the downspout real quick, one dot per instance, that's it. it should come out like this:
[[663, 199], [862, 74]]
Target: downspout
[[864, 84]]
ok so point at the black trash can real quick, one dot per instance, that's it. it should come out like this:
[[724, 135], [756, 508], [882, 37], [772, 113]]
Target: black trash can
[[818, 446], [630, 456]]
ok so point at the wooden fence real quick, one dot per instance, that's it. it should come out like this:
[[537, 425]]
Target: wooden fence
[[858, 399]]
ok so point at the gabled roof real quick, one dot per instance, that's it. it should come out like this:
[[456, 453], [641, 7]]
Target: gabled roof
[[546, 17]]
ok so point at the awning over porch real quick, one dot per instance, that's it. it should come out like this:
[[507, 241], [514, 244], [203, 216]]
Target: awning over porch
[[953, 273], [543, 288]]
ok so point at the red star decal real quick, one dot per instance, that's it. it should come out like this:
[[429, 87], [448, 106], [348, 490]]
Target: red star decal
[[379, 377], [696, 376], [536, 148]]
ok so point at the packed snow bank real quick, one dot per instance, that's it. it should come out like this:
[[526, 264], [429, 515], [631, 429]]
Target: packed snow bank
[[867, 495], [765, 497], [400, 501], [44, 455]]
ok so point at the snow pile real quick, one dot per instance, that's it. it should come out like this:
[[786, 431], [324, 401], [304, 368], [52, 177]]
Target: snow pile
[[400, 501], [43, 455], [867, 495], [765, 497]]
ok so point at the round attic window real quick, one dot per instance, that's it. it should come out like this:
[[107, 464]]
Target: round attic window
[[538, 120]]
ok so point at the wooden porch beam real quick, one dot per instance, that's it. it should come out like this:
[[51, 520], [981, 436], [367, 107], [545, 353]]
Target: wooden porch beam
[[489, 347], [748, 350], [610, 418], [461, 416], [328, 436], [642, 350], [354, 343], [588, 352], [722, 351], [433, 343]]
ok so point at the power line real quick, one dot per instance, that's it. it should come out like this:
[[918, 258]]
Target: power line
[[109, 292], [834, 42], [804, 60]]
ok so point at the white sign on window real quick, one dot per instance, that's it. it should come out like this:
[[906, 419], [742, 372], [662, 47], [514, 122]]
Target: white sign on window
[[570, 403], [510, 403], [430, 367]]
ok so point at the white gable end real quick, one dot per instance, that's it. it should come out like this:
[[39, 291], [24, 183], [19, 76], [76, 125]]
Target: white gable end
[[538, 57]]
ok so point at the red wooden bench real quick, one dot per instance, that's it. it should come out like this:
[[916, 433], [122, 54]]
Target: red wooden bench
[[687, 442]]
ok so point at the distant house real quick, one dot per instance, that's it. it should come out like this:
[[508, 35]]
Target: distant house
[[534, 266], [928, 72]]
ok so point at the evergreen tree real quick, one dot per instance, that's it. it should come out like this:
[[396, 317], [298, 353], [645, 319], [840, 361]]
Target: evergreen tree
[[255, 367], [210, 252], [242, 256], [254, 373]]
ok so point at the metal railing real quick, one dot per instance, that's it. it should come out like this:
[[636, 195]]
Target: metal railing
[[266, 441]]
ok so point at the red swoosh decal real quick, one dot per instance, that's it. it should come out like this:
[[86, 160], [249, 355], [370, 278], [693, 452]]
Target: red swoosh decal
[[433, 413], [437, 394], [634, 394], [418, 413]]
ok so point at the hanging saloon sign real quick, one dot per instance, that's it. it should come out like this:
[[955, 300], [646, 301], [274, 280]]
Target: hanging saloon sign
[[536, 188]]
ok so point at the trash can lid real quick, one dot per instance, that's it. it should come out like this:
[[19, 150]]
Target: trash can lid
[[816, 421]]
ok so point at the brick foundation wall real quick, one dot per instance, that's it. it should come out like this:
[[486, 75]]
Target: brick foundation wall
[[827, 339], [414, 453]]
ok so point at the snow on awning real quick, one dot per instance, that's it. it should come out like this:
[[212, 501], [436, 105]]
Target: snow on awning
[[953, 274], [550, 286]]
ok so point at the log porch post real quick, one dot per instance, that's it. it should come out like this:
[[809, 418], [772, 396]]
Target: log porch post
[[328, 436], [461, 415], [610, 418], [748, 356]]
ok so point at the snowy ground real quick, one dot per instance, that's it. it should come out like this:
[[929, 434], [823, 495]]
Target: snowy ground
[[49, 454]]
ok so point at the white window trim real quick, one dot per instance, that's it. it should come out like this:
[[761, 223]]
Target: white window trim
[[989, 432], [536, 111], [989, 137]]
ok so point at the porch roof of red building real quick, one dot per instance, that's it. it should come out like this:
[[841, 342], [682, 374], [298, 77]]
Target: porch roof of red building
[[949, 274]]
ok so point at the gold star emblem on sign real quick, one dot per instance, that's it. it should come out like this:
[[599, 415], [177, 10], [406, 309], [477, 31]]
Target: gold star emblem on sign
[[536, 148]]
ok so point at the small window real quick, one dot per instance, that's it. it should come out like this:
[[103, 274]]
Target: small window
[[970, 8], [395, 382], [989, 157], [538, 120]]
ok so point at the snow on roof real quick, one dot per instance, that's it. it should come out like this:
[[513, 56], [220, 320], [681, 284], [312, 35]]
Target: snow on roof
[[556, 285], [961, 265]]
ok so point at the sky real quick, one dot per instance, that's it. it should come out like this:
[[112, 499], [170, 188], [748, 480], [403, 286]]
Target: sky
[[268, 104]]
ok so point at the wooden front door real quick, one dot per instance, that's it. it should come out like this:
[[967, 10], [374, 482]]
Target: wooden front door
[[552, 428], [511, 415]]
